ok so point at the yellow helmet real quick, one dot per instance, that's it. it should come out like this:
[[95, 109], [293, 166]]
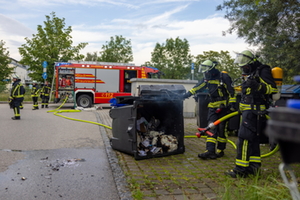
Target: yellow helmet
[[207, 66], [244, 58]]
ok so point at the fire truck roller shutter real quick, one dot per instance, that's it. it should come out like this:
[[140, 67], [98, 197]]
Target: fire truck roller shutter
[[110, 80]]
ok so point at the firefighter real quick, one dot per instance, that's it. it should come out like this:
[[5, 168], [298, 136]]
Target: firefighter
[[16, 97], [222, 98], [45, 94], [21, 104], [35, 95], [257, 86]]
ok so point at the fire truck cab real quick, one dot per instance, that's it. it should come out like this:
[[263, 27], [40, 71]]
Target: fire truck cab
[[88, 83]]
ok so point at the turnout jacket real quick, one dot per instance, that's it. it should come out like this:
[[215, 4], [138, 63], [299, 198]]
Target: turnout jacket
[[258, 98], [17, 90], [35, 91], [220, 90], [45, 90]]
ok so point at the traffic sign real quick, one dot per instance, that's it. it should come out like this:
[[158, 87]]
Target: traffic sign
[[193, 66], [45, 64], [44, 75]]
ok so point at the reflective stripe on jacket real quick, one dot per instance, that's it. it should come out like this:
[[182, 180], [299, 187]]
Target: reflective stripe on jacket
[[18, 90], [35, 91]]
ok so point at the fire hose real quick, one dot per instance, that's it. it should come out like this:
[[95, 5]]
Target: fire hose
[[201, 133], [56, 111]]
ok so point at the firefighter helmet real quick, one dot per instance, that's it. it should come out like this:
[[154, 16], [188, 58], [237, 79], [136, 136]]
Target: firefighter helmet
[[244, 58], [15, 76], [245, 61], [207, 66]]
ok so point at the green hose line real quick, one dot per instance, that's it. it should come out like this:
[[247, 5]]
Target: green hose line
[[194, 136], [60, 105], [234, 146], [231, 142], [271, 152], [56, 111], [228, 116], [191, 136], [79, 120]]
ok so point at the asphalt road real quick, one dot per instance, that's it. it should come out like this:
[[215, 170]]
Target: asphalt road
[[43, 156]]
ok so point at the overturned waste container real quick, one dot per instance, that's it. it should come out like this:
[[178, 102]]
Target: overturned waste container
[[150, 125]]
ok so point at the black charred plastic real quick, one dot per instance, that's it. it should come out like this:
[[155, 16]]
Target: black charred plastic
[[161, 102]]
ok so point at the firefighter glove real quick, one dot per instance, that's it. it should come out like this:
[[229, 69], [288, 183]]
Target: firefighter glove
[[187, 95], [232, 106], [253, 84]]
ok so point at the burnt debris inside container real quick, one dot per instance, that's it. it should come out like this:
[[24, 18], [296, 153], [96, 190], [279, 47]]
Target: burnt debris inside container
[[153, 125]]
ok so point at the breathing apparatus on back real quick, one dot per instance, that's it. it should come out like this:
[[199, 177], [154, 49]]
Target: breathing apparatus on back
[[277, 74]]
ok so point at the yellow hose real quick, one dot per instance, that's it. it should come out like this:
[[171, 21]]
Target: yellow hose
[[271, 152], [231, 142], [56, 111], [194, 136]]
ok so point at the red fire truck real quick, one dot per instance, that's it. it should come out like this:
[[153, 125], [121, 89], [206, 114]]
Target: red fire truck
[[88, 83]]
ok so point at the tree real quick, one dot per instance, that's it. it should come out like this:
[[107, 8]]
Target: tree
[[5, 70], [172, 58], [118, 49], [52, 43], [273, 25], [225, 62], [92, 57]]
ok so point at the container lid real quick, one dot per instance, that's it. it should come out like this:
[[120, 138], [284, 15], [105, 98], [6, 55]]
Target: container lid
[[162, 91], [178, 89]]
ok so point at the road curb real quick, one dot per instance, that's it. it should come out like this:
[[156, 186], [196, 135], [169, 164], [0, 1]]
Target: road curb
[[118, 175]]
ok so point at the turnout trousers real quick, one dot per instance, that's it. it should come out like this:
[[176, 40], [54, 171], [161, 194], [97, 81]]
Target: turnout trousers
[[35, 103], [45, 101], [16, 107], [219, 138], [248, 160]]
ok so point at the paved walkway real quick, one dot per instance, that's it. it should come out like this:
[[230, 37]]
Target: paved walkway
[[177, 177]]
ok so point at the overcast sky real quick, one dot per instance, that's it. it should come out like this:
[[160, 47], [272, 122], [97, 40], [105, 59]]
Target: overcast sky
[[144, 22]]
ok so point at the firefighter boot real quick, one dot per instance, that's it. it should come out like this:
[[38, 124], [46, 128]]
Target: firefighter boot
[[220, 153], [207, 154], [42, 106], [235, 174], [46, 106], [16, 118]]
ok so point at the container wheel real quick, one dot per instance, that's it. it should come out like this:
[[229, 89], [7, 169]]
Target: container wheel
[[84, 101]]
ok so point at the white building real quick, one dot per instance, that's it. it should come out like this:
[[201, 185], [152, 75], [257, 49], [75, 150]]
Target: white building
[[20, 70]]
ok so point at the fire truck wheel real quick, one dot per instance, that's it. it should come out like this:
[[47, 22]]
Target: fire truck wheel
[[84, 101]]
